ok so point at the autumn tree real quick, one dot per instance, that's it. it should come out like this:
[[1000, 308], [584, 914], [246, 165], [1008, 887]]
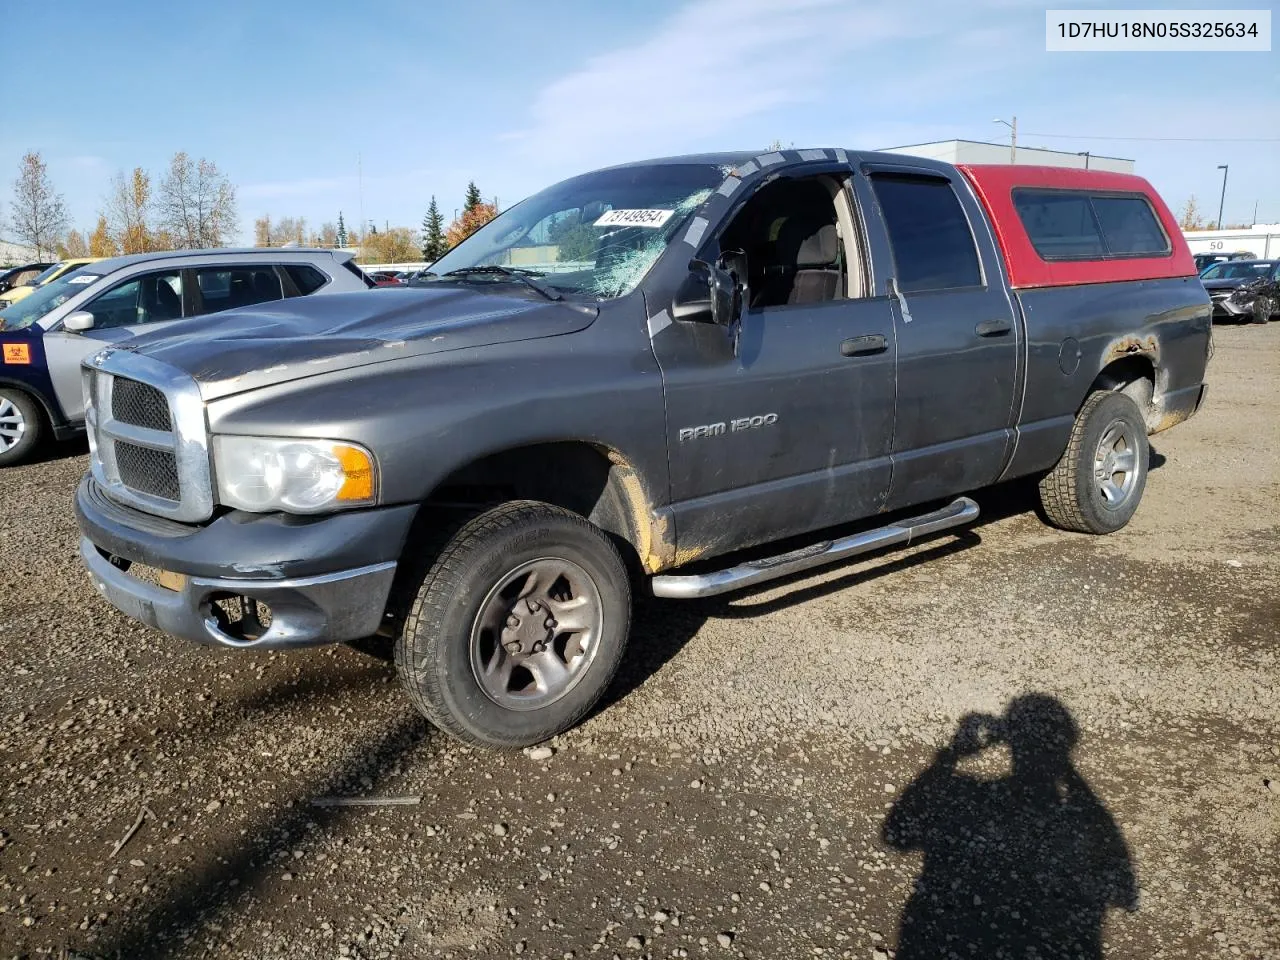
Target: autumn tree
[[101, 243], [394, 245], [196, 204], [1190, 218], [39, 213], [129, 211], [473, 198], [433, 242], [73, 247], [328, 235], [262, 231], [342, 231], [470, 221]]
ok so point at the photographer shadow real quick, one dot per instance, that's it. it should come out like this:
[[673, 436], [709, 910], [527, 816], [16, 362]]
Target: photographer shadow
[[1024, 865]]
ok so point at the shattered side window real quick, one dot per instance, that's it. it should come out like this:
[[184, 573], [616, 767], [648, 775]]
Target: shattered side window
[[596, 235]]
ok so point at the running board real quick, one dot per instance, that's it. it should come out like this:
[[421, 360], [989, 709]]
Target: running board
[[901, 532]]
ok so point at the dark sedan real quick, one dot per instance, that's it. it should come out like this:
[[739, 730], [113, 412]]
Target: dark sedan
[[1235, 289]]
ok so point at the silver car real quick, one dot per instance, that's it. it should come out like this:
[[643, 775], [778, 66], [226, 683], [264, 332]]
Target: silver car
[[44, 336]]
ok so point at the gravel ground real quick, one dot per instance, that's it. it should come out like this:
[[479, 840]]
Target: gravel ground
[[787, 773]]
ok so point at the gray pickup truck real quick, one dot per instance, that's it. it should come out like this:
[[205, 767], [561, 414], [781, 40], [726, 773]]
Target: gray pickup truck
[[620, 382]]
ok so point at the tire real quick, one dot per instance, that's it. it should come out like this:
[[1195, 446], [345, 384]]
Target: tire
[[1261, 311], [502, 580], [21, 426], [1073, 494]]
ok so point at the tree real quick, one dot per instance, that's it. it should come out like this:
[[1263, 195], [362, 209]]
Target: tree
[[197, 203], [1190, 217], [473, 198], [101, 243], [74, 246], [395, 245], [433, 242], [574, 240], [470, 221], [342, 231], [262, 231], [39, 214], [328, 236], [129, 211]]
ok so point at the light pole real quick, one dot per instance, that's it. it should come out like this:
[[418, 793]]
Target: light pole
[[1223, 200], [1085, 154], [1013, 137]]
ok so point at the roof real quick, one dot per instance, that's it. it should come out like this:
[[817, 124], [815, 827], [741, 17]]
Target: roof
[[129, 259], [995, 184]]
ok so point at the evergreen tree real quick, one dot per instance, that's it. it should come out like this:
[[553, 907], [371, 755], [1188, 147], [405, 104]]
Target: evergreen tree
[[342, 230], [433, 243], [473, 198]]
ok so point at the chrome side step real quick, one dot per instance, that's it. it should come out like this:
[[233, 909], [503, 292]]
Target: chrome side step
[[902, 532]]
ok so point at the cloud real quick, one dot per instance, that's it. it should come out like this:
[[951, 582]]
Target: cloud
[[715, 64], [278, 189]]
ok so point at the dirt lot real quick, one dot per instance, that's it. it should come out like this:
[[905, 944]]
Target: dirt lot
[[767, 781]]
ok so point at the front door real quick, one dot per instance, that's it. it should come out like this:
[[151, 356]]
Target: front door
[[957, 340], [791, 431], [124, 311]]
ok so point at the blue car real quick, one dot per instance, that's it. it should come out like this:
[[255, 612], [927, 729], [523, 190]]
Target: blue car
[[45, 336]]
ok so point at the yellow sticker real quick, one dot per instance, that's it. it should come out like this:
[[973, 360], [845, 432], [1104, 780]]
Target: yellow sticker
[[17, 353]]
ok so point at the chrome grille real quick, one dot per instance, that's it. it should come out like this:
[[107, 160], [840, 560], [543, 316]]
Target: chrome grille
[[148, 443], [140, 404], [154, 472]]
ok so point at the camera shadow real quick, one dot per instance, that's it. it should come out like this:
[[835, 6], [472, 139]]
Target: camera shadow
[[1022, 865]]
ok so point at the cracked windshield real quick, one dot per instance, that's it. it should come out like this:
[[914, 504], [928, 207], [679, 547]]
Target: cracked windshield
[[595, 235]]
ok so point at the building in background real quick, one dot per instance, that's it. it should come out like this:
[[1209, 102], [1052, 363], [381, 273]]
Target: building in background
[[975, 151], [16, 253], [1262, 240]]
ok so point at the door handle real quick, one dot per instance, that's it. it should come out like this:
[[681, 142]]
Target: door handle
[[993, 328], [864, 346]]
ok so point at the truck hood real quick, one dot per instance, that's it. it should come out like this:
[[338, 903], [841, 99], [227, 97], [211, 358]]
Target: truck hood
[[284, 340]]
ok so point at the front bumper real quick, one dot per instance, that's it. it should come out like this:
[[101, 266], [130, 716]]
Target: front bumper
[[323, 579]]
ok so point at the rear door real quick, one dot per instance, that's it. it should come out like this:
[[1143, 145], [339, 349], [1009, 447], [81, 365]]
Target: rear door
[[957, 336], [124, 310]]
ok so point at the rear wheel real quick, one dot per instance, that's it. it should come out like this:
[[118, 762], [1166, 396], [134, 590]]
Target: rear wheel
[[1098, 483], [21, 426], [518, 626]]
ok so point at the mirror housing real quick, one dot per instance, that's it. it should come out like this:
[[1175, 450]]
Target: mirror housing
[[78, 322], [709, 294]]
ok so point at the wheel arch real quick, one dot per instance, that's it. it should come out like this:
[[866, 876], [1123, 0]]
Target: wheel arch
[[1132, 366], [595, 481], [52, 415]]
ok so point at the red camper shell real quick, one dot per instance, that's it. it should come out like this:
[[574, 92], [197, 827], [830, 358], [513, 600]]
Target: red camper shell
[[1060, 227]]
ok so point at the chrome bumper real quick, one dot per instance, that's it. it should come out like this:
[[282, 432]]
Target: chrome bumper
[[330, 608]]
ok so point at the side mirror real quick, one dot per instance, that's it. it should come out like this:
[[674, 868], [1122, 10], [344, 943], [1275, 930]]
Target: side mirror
[[78, 322], [710, 294]]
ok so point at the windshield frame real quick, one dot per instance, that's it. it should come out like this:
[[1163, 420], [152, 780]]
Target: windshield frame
[[635, 259], [47, 292]]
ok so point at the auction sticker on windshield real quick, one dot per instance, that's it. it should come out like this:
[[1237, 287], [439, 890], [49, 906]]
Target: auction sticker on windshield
[[634, 218]]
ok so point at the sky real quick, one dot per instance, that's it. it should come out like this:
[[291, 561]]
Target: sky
[[326, 106]]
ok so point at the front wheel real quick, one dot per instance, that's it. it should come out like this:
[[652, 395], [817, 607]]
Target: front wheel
[[518, 626], [20, 427], [1096, 486]]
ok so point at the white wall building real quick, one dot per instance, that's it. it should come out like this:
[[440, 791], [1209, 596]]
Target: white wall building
[[975, 151], [1262, 240], [17, 253]]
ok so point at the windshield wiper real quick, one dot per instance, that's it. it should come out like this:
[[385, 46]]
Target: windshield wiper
[[527, 277]]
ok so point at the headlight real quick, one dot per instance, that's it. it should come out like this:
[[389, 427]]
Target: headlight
[[261, 474]]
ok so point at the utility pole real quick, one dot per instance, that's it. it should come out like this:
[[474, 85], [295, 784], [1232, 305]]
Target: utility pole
[[1223, 200], [360, 190], [1255, 214], [1085, 154], [1013, 137]]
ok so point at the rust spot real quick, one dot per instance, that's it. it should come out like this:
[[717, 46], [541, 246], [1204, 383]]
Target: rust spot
[[1147, 346], [654, 538]]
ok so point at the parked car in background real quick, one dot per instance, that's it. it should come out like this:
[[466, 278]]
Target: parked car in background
[[386, 278], [45, 335], [52, 272], [1240, 289], [1206, 260], [641, 370], [11, 277]]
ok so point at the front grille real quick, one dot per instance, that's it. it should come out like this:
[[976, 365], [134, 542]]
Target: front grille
[[140, 404], [153, 472]]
